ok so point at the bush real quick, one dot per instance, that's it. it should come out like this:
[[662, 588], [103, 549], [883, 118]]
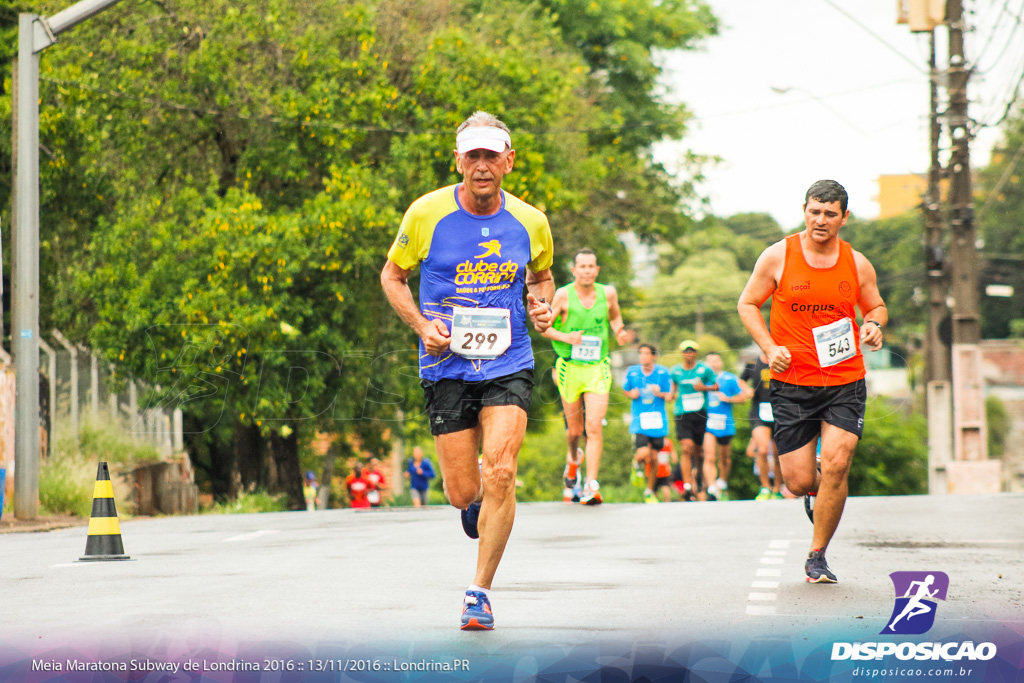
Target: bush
[[66, 483], [67, 479], [892, 456], [999, 423], [257, 501], [542, 460]]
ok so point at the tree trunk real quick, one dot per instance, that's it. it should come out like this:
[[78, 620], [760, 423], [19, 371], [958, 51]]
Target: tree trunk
[[284, 452], [203, 446], [323, 497], [249, 449]]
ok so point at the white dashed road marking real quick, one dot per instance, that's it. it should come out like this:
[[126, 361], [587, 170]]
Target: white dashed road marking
[[765, 593], [251, 536]]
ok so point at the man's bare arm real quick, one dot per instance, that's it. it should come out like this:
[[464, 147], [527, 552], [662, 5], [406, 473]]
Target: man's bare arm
[[622, 335], [560, 309], [870, 303], [541, 291], [395, 281], [762, 283]]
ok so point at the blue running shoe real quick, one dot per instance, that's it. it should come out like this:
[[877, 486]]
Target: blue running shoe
[[476, 612], [470, 516]]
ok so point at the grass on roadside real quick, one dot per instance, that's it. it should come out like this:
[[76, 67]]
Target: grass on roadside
[[67, 478], [257, 501]]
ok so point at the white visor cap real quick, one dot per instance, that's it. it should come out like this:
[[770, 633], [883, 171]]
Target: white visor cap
[[482, 137]]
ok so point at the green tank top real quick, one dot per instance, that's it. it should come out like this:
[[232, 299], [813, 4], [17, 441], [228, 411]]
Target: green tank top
[[593, 322]]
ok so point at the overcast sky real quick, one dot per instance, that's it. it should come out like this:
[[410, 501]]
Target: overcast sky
[[856, 105]]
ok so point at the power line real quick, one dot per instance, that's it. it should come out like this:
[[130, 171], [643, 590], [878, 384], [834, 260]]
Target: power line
[[995, 29], [1007, 172], [908, 60], [754, 110], [1009, 104]]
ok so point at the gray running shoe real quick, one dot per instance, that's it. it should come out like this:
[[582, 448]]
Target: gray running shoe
[[817, 568], [809, 506]]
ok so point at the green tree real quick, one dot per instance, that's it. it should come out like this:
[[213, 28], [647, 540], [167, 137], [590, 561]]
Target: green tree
[[704, 287], [1000, 210], [892, 457], [225, 179], [894, 247]]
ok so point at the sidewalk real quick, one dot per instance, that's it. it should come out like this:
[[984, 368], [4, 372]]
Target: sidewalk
[[10, 524]]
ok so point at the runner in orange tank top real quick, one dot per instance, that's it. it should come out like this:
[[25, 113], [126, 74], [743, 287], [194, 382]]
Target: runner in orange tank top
[[816, 281]]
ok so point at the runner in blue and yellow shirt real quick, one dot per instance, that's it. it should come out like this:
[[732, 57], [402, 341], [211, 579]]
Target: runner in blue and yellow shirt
[[477, 248]]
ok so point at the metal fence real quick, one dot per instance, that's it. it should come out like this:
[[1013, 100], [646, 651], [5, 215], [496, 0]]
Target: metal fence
[[78, 388]]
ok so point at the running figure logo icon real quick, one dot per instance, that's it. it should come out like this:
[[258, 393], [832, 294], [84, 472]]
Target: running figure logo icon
[[916, 595]]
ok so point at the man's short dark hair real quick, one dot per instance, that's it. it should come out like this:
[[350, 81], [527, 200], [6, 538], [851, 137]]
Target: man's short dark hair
[[654, 351], [584, 252], [826, 192]]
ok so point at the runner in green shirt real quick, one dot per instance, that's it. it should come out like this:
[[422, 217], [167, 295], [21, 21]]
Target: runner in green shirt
[[585, 312]]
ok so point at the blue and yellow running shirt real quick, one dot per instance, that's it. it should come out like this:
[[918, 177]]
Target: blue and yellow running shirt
[[474, 262]]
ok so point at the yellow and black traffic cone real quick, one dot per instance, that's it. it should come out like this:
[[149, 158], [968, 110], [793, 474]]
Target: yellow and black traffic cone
[[104, 542]]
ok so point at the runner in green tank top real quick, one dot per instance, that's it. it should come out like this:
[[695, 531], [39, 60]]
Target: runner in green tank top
[[585, 312]]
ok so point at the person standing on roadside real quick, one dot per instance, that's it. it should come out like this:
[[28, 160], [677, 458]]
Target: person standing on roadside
[[419, 473]]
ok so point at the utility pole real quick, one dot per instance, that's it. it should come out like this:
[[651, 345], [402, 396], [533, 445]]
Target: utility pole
[[963, 252], [956, 392], [938, 396], [970, 471], [35, 34], [937, 358]]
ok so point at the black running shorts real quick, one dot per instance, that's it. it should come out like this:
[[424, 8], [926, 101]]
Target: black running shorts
[[453, 405], [799, 411], [643, 441], [692, 426]]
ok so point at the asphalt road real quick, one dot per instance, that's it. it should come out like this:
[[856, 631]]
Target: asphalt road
[[391, 580]]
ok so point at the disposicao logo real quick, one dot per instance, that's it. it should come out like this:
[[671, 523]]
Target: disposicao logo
[[916, 595], [914, 613]]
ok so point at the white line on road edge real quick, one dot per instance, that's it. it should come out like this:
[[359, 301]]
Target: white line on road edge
[[251, 536], [762, 597], [775, 554], [760, 610]]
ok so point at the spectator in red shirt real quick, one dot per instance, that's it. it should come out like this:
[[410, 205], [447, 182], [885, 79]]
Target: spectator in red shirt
[[359, 488], [380, 485]]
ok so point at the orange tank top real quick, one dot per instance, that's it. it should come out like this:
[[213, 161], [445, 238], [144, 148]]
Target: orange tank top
[[813, 316]]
